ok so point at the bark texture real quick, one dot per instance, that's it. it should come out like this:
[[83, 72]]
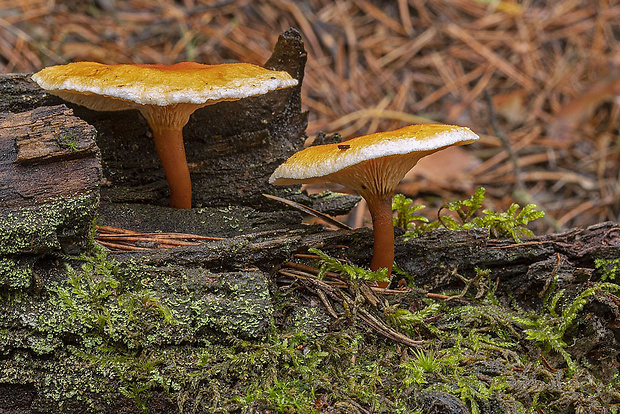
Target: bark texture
[[219, 290], [50, 172]]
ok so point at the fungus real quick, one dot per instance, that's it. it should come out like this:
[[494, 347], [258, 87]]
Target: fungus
[[166, 95], [372, 165]]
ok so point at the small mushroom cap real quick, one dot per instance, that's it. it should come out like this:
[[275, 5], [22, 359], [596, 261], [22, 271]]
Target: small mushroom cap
[[371, 164], [181, 83]]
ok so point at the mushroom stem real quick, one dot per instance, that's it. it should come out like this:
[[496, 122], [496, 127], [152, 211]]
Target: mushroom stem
[[383, 232], [171, 151]]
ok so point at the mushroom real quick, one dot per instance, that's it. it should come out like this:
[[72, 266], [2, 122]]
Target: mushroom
[[372, 165], [166, 95]]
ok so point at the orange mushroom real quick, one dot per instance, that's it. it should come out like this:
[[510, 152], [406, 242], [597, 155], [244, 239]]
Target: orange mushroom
[[166, 95], [372, 165]]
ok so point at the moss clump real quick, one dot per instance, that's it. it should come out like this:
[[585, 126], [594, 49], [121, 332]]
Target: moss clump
[[510, 223], [493, 358], [106, 334]]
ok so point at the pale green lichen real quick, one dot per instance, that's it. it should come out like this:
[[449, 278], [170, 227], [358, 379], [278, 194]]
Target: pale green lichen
[[14, 275], [61, 224]]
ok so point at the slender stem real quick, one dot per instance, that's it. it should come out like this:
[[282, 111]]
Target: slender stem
[[169, 144], [383, 232]]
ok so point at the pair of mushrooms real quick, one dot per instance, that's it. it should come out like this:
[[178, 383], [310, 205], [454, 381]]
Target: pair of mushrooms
[[168, 94]]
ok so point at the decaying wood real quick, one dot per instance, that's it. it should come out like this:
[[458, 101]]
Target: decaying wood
[[47, 153], [50, 172], [221, 288], [232, 147]]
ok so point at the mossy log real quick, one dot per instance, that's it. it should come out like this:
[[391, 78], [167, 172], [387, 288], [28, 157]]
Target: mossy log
[[86, 332], [50, 172], [156, 330]]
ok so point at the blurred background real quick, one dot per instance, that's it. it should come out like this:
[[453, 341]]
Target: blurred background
[[537, 80]]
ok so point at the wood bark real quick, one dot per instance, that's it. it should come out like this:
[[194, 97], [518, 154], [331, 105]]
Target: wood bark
[[50, 172], [212, 299]]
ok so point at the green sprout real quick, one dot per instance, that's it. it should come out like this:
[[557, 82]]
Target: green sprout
[[510, 223], [67, 141]]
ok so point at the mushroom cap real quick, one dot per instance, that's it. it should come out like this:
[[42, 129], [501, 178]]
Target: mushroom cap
[[162, 85], [371, 164]]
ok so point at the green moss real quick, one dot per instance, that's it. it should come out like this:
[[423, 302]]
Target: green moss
[[607, 267], [510, 223], [115, 324], [112, 336]]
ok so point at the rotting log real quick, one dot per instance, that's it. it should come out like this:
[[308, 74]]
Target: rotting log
[[221, 290], [50, 172], [232, 147]]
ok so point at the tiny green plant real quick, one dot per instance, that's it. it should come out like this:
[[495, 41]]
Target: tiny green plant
[[104, 308], [406, 212], [426, 361], [464, 208], [418, 366], [607, 267], [67, 141], [346, 270], [407, 320], [550, 327], [511, 223]]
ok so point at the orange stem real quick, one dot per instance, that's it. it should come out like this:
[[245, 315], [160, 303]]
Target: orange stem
[[383, 232], [169, 144]]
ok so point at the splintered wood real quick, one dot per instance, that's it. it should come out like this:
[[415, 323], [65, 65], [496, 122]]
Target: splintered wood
[[550, 68]]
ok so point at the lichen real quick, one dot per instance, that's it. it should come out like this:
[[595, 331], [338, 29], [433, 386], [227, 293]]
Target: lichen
[[14, 275], [63, 224]]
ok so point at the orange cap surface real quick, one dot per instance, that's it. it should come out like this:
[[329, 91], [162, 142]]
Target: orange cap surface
[[370, 164], [185, 82]]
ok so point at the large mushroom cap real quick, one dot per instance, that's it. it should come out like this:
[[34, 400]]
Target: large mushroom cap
[[161, 85], [374, 162]]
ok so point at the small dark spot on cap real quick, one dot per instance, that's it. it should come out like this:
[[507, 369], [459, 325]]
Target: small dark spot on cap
[[344, 146], [363, 187]]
